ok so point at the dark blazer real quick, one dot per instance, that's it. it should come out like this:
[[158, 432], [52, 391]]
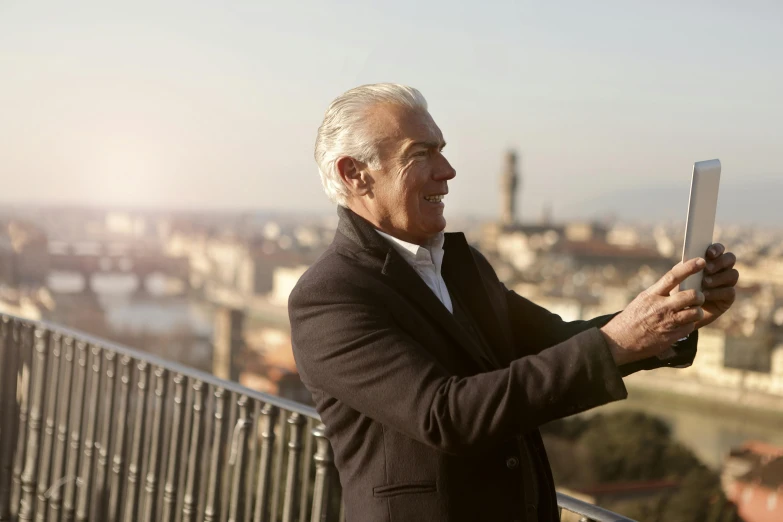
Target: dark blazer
[[422, 428]]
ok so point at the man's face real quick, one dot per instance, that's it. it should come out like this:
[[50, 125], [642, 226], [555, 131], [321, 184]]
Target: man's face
[[406, 191]]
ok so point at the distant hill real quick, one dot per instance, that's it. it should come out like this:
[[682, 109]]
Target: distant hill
[[756, 202]]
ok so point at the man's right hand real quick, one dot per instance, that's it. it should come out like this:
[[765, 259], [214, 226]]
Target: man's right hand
[[656, 319]]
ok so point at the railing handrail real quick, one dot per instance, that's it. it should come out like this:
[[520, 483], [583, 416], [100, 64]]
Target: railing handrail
[[590, 511], [154, 360]]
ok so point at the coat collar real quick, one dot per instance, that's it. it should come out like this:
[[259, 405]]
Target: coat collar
[[361, 232], [459, 269]]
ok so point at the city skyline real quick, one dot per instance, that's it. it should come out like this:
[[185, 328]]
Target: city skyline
[[195, 106]]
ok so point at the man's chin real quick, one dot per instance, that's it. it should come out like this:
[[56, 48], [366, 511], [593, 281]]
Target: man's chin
[[437, 227]]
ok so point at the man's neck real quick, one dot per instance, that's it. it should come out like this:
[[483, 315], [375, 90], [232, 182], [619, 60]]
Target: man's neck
[[362, 212]]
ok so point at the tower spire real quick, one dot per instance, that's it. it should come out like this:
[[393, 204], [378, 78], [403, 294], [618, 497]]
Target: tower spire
[[508, 192]]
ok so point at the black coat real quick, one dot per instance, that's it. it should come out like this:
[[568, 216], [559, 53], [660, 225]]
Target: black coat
[[422, 429]]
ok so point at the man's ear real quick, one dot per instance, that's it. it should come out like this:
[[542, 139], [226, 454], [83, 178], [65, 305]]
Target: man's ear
[[354, 176]]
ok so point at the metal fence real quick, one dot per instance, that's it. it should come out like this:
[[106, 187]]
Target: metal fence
[[92, 431]]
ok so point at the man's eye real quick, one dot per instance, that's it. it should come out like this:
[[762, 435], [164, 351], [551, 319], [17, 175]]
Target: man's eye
[[420, 154]]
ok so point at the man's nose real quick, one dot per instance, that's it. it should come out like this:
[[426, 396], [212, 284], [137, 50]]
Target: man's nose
[[444, 171]]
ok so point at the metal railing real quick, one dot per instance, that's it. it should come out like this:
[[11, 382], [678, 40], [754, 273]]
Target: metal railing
[[93, 431]]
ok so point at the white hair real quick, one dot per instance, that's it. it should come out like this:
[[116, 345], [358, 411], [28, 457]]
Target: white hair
[[343, 133]]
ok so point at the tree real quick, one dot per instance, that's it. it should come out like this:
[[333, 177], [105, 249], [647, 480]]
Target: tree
[[632, 446], [700, 497]]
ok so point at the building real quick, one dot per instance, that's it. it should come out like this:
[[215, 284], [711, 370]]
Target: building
[[24, 254], [508, 193], [753, 479]]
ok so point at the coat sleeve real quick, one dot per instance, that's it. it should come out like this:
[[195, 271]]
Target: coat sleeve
[[535, 328], [348, 348]]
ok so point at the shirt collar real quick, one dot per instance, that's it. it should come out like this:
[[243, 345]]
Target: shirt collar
[[429, 253]]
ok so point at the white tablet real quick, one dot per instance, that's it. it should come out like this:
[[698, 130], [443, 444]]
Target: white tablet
[[701, 216]]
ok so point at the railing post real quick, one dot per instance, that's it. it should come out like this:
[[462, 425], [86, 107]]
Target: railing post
[[268, 416], [30, 472], [63, 415], [237, 460], [98, 511], [134, 461], [120, 427], [252, 460], [184, 450], [23, 345], [189, 501], [279, 469], [213, 485], [91, 415], [304, 500], [297, 423], [324, 462], [9, 359], [172, 468], [75, 424], [233, 428], [50, 422], [153, 466]]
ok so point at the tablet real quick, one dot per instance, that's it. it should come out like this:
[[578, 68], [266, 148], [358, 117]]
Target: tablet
[[700, 222]]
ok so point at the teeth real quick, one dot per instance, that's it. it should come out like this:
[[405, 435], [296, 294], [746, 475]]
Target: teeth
[[434, 199]]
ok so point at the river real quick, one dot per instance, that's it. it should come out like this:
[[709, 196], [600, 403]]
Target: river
[[709, 430]]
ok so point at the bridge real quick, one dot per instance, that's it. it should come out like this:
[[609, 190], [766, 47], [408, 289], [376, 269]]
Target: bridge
[[100, 258]]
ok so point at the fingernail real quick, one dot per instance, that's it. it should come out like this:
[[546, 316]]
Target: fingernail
[[700, 262], [714, 251], [710, 266], [708, 280]]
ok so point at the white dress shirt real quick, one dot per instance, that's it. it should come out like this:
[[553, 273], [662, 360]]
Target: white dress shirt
[[426, 260]]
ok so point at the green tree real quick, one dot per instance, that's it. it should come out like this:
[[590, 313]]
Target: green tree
[[701, 498], [626, 446], [633, 446]]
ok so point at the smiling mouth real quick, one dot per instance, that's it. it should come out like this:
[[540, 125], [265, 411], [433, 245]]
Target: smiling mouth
[[434, 199]]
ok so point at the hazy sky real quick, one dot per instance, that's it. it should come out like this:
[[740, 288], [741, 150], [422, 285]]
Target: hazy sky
[[216, 104]]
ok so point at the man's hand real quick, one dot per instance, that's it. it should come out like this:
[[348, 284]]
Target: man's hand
[[656, 319], [720, 278]]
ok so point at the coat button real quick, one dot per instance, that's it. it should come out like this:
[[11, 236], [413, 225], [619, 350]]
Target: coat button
[[512, 462]]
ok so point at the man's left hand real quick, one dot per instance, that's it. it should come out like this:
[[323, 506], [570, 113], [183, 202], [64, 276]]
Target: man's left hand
[[720, 278]]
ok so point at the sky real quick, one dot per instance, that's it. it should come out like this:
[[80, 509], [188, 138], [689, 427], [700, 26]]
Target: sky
[[215, 105]]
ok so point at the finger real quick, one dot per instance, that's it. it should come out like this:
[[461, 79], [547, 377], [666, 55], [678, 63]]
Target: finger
[[681, 300], [682, 332], [677, 275], [715, 250], [725, 295], [689, 315], [724, 278], [723, 262]]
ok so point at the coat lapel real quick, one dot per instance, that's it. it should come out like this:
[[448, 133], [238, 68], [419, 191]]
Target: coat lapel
[[405, 279], [462, 274]]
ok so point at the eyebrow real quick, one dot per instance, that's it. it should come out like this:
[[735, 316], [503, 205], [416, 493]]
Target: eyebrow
[[426, 144]]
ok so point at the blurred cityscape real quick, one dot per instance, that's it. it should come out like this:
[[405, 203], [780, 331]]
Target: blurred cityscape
[[210, 290]]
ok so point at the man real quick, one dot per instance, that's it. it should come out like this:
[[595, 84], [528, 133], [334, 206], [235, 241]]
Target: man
[[431, 377]]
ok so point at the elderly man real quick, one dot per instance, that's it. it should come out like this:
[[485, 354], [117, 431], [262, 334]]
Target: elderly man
[[431, 377]]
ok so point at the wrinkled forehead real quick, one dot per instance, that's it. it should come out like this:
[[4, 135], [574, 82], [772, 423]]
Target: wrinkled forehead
[[394, 127]]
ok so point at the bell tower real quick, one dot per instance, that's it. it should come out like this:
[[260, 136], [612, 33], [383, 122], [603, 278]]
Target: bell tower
[[508, 189]]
